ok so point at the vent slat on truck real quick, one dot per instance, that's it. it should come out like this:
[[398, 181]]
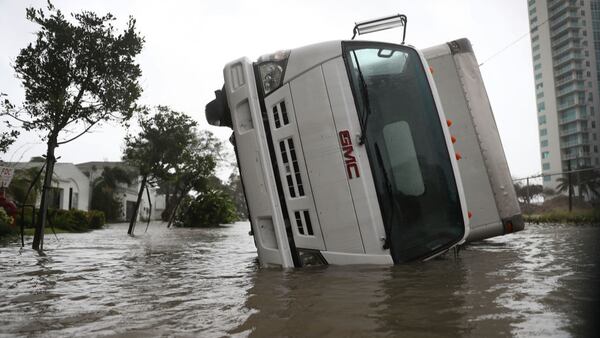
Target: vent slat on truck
[[303, 223], [291, 162], [292, 170], [280, 114]]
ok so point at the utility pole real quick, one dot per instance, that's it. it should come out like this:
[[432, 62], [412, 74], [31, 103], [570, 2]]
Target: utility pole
[[527, 193], [137, 205], [570, 187]]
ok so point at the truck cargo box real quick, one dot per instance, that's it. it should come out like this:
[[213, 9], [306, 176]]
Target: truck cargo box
[[484, 171]]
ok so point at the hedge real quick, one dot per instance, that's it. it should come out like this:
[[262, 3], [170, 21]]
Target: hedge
[[562, 216], [70, 220]]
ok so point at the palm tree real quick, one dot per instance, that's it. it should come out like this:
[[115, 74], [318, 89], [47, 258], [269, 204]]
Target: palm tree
[[587, 181], [526, 193], [104, 188]]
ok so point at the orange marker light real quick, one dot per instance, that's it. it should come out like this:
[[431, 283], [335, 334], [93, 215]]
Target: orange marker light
[[458, 156], [431, 69], [470, 214], [453, 138], [449, 122]]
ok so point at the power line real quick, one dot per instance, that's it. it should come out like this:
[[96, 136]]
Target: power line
[[512, 43]]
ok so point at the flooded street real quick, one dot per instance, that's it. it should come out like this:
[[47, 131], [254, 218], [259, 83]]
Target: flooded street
[[206, 282]]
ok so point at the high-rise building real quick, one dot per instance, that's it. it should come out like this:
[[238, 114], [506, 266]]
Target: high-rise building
[[565, 44]]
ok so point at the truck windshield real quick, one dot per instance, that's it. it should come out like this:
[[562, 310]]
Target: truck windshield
[[407, 150]]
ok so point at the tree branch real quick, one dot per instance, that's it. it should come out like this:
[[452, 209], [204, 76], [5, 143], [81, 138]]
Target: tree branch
[[81, 134], [77, 100], [15, 117]]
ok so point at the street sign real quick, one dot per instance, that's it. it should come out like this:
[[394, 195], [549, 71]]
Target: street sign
[[6, 175]]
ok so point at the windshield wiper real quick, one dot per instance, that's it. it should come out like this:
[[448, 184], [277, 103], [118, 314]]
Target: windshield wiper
[[365, 99]]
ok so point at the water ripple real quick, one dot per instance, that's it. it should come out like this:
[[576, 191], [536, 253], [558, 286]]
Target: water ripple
[[206, 282]]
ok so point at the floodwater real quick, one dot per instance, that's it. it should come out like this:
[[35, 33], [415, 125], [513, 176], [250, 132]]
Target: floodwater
[[206, 283]]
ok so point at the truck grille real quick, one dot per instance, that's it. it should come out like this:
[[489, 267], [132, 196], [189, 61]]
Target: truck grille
[[303, 222], [280, 115], [291, 168]]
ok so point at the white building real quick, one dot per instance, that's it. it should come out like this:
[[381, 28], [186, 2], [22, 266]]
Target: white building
[[127, 193], [565, 42], [72, 187]]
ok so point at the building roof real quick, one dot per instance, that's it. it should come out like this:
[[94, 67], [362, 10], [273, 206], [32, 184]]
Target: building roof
[[86, 167], [62, 170]]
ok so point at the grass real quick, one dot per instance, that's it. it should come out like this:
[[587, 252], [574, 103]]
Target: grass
[[589, 216], [47, 231], [15, 233]]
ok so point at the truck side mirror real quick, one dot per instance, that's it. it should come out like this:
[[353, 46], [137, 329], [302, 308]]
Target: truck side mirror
[[217, 111]]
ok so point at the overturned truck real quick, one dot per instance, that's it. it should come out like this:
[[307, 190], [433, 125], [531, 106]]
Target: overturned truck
[[346, 154]]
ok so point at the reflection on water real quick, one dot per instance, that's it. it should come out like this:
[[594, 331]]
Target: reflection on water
[[205, 282]]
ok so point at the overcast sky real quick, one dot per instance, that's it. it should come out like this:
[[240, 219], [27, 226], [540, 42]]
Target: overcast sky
[[189, 42]]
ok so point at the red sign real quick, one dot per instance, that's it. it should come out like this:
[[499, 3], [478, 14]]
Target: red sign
[[349, 159]]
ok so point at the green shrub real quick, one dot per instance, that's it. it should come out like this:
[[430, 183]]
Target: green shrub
[[63, 219], [562, 216], [209, 209], [80, 218], [71, 220], [96, 219], [104, 199], [27, 217]]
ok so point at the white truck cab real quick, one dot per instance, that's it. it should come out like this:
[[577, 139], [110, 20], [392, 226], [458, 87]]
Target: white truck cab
[[344, 153]]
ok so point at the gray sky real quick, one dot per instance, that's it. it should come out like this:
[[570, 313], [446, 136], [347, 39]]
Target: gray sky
[[189, 42]]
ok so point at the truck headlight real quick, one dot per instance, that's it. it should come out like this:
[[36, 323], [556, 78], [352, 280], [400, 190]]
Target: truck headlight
[[271, 69], [310, 257]]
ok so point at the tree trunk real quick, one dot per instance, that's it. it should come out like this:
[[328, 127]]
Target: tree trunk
[[149, 208], [527, 193], [38, 236], [167, 197], [174, 211], [579, 185], [137, 206]]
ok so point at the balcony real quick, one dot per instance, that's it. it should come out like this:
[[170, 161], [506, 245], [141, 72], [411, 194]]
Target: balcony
[[568, 105], [571, 36], [571, 24], [553, 3], [568, 69], [561, 8], [570, 89], [572, 46], [573, 56], [579, 116], [578, 129], [574, 143], [555, 22], [569, 78], [577, 155]]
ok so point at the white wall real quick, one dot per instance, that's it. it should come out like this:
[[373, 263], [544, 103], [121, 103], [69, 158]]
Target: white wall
[[67, 177]]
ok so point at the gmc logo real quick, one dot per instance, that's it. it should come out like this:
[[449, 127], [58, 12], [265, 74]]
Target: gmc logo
[[349, 158]]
